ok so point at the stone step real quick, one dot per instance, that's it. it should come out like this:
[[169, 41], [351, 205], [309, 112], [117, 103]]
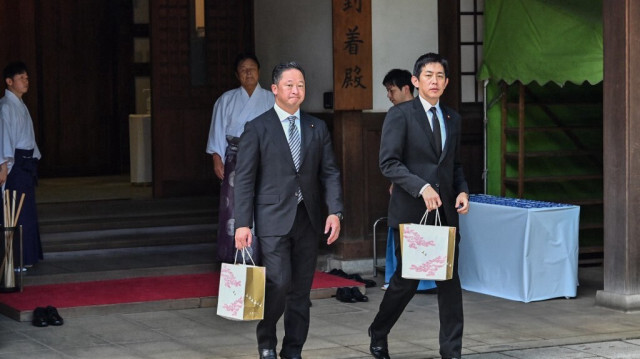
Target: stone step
[[128, 237], [102, 224]]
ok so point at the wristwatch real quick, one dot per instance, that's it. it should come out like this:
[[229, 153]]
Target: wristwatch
[[339, 215]]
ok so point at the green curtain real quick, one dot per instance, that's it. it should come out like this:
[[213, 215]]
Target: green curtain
[[543, 41]]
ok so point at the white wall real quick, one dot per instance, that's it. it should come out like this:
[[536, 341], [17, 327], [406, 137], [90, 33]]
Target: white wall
[[402, 30], [296, 30], [300, 30]]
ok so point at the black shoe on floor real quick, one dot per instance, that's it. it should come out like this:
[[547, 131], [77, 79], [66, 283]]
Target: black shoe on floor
[[40, 317], [339, 273], [344, 294], [53, 318], [355, 293], [368, 283]]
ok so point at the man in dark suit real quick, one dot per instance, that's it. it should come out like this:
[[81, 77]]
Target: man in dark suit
[[286, 172], [420, 154]]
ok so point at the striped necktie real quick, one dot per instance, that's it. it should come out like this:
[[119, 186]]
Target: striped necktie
[[294, 145]]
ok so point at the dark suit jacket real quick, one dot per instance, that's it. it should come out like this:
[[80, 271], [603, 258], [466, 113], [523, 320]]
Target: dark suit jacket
[[408, 159], [266, 179]]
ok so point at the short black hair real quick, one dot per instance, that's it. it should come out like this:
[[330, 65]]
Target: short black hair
[[428, 59], [280, 68], [245, 56], [14, 68], [399, 78]]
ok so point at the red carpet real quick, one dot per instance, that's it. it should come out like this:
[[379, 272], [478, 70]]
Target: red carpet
[[134, 290]]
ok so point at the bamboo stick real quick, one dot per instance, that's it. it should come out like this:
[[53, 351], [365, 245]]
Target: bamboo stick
[[11, 216], [15, 223], [5, 196], [13, 208], [5, 275]]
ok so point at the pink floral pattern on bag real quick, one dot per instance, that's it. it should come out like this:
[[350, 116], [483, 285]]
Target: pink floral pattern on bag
[[415, 240], [234, 306], [229, 280], [430, 267]]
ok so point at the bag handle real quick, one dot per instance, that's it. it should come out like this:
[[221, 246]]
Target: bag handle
[[437, 222], [244, 250]]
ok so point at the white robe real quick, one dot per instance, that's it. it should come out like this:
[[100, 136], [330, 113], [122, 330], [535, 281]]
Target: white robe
[[16, 130], [230, 113]]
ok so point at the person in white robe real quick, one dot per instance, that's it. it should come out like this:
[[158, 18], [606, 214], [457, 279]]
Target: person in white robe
[[230, 113], [19, 156]]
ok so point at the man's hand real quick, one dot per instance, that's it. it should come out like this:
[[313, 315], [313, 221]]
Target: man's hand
[[431, 199], [4, 172], [462, 203], [243, 237], [218, 166], [333, 224]]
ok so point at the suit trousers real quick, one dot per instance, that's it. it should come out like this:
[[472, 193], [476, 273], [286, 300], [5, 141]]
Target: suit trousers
[[290, 263], [400, 292]]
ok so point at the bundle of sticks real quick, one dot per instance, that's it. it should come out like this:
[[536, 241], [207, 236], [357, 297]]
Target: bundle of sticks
[[11, 215]]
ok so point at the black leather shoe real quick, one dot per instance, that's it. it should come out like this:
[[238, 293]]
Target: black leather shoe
[[267, 354], [357, 295], [296, 356], [378, 347], [53, 318], [344, 294], [339, 273], [40, 317], [368, 283]]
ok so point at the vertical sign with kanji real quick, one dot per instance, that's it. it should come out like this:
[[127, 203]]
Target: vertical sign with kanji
[[352, 70]]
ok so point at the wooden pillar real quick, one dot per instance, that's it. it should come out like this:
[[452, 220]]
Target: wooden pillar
[[347, 137], [352, 88], [449, 47], [621, 156]]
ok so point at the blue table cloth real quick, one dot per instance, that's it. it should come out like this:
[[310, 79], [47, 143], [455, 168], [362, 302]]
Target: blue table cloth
[[519, 249]]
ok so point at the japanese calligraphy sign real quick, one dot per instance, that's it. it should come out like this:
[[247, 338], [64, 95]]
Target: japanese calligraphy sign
[[352, 69]]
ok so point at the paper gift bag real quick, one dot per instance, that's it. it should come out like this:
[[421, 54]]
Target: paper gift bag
[[241, 292], [427, 250]]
